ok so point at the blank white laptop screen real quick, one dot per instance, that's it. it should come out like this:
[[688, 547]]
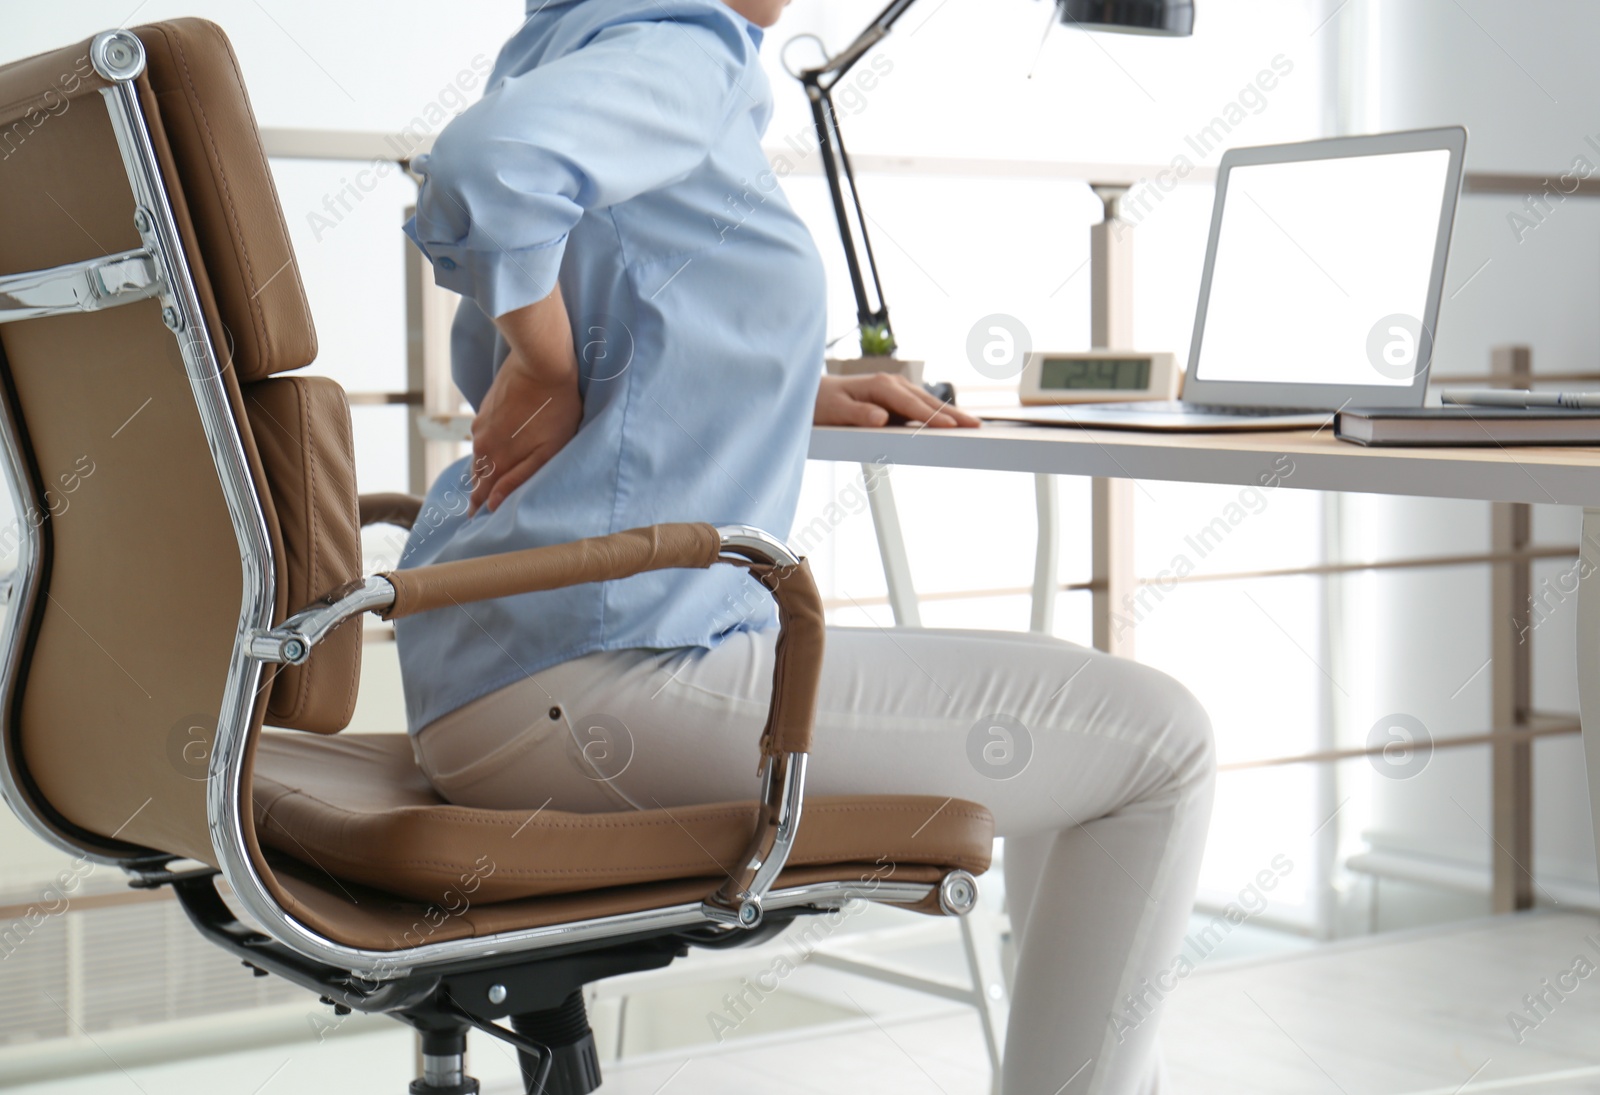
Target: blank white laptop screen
[[1310, 256]]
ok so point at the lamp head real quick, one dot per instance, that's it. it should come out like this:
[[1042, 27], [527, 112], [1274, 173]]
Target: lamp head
[[1174, 18]]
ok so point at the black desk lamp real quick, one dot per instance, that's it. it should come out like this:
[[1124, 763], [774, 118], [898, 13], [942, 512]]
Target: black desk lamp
[[1156, 17]]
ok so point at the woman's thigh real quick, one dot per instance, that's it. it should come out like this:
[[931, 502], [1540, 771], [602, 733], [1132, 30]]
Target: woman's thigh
[[1045, 733]]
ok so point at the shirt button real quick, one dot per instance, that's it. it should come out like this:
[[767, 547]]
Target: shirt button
[[447, 263]]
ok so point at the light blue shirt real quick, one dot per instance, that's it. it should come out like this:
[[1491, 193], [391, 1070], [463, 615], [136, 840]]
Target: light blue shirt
[[617, 150]]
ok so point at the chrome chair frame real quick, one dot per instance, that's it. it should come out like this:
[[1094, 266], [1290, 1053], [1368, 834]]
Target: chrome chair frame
[[160, 269]]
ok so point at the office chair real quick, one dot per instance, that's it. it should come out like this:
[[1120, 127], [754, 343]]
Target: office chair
[[189, 571]]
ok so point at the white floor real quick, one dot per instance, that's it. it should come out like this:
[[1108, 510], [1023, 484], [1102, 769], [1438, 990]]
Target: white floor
[[1418, 1013], [1423, 1013]]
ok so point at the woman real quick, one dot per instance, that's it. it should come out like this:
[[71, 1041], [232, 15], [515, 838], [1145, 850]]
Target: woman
[[642, 339]]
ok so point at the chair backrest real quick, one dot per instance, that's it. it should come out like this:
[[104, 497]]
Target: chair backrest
[[120, 657]]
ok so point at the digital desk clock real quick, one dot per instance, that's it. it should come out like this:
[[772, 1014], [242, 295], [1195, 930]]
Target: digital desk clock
[[1098, 376]]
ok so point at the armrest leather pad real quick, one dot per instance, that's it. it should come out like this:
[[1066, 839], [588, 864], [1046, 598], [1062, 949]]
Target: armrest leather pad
[[389, 508], [797, 665], [596, 559]]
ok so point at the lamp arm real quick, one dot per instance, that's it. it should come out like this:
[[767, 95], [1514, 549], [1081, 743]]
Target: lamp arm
[[875, 32], [1146, 16], [836, 165], [819, 83]]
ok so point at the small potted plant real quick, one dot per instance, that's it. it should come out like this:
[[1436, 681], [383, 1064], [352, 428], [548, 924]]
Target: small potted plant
[[877, 356]]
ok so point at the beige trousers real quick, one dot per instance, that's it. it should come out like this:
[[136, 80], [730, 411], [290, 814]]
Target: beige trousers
[[1098, 771]]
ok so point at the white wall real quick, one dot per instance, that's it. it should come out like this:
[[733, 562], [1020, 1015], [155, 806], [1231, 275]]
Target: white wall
[[308, 64], [1521, 78]]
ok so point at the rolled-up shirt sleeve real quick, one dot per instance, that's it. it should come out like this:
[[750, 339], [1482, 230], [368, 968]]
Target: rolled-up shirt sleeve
[[635, 108]]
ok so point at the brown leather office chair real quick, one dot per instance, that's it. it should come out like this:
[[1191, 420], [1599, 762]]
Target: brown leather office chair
[[189, 570]]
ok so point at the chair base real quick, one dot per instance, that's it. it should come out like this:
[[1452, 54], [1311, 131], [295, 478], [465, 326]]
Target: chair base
[[541, 995], [555, 1046], [565, 1032]]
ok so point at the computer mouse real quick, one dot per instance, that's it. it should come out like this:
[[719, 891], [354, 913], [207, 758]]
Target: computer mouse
[[944, 391]]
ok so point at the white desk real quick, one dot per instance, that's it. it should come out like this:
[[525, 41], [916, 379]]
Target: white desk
[[1568, 477]]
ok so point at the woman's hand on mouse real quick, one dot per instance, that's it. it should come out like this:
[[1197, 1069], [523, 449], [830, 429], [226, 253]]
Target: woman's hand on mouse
[[870, 399], [533, 407]]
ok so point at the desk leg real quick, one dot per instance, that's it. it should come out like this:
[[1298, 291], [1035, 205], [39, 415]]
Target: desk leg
[[1047, 556], [1511, 762], [1589, 657], [1112, 555], [891, 546]]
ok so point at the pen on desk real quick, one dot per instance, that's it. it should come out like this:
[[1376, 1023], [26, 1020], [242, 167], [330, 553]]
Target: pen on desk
[[1490, 397]]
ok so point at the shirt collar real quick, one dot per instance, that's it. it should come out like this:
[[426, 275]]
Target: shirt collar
[[756, 33]]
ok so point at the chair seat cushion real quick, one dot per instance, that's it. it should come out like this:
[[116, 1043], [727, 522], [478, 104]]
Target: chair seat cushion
[[358, 808]]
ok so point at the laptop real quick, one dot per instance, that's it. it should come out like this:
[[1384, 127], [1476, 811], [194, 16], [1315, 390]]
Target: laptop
[[1321, 287]]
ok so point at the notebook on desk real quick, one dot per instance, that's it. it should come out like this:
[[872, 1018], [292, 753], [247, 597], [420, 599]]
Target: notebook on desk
[[1321, 287], [1468, 426]]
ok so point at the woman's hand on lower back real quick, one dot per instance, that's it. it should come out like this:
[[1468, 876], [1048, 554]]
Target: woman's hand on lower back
[[533, 407], [870, 399], [524, 420]]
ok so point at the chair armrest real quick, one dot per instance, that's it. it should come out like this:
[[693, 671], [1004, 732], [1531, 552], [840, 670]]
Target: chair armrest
[[389, 508], [798, 663], [596, 559], [796, 671]]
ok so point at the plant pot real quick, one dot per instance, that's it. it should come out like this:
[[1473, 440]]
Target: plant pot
[[860, 366]]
